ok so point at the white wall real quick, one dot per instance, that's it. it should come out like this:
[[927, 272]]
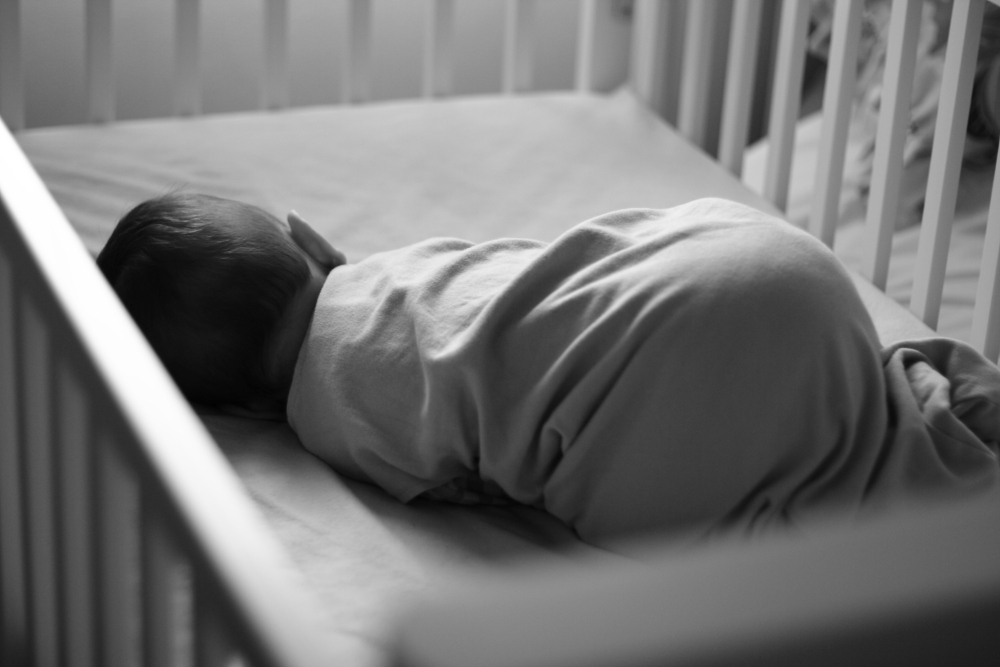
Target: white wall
[[231, 29]]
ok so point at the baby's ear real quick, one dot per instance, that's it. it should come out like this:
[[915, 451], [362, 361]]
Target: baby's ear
[[313, 244]]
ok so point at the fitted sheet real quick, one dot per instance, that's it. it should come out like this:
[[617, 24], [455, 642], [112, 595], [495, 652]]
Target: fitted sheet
[[373, 178]]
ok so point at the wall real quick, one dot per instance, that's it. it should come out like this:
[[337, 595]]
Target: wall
[[143, 34]]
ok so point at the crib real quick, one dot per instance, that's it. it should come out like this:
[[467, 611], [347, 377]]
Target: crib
[[128, 537]]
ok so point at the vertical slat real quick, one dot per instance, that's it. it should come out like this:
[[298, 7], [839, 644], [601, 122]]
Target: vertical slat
[[744, 40], [11, 65], [986, 316], [274, 94], [585, 34], [838, 95], [160, 631], [646, 65], [946, 159], [786, 100], [187, 53], [692, 117], [36, 436], [518, 46], [356, 81], [100, 66], [212, 645], [893, 123], [13, 605], [75, 456], [115, 558], [439, 41]]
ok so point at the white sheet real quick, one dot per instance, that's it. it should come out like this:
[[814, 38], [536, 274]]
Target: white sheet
[[385, 175]]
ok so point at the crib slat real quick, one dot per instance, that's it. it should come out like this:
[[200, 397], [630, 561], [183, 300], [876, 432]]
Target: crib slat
[[356, 81], [115, 499], [13, 604], [75, 525], [439, 43], [583, 71], [946, 159], [838, 94], [274, 94], [100, 71], [786, 100], [986, 316], [11, 65], [37, 418], [740, 70], [187, 57], [211, 643], [646, 64], [518, 46], [160, 632], [893, 122], [696, 71]]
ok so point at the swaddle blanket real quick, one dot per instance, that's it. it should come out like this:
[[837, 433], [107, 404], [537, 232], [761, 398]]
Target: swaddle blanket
[[702, 368]]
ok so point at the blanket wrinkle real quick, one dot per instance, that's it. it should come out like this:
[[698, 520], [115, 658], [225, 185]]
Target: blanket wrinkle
[[956, 385], [941, 437]]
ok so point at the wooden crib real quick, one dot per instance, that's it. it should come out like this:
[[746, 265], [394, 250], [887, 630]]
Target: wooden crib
[[115, 502]]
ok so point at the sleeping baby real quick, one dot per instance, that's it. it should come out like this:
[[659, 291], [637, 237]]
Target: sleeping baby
[[689, 371]]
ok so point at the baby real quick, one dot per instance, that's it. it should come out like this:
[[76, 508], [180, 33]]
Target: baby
[[699, 369]]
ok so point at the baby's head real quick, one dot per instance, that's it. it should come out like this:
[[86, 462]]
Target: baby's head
[[223, 291]]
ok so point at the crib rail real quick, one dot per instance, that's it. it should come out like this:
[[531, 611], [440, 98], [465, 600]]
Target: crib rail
[[113, 499]]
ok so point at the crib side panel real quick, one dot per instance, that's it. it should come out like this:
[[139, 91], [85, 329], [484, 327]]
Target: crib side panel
[[917, 589], [95, 435]]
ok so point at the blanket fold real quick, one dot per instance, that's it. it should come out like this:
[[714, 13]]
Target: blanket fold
[[944, 429]]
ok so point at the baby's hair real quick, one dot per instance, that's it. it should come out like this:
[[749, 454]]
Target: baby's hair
[[206, 279]]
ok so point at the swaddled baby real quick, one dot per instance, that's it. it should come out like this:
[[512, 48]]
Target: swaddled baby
[[703, 368]]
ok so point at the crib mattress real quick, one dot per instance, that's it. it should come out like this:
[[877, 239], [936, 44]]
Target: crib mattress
[[372, 178]]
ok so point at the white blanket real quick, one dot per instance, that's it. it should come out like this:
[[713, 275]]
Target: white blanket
[[704, 369]]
